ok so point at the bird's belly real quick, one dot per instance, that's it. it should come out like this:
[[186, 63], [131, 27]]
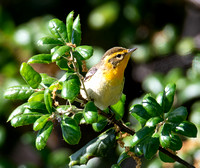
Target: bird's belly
[[104, 93]]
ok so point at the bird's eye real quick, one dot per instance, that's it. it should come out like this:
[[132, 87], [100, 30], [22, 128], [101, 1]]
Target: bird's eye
[[118, 56]]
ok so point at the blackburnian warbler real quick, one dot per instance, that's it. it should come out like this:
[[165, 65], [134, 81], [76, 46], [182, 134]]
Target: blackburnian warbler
[[104, 82]]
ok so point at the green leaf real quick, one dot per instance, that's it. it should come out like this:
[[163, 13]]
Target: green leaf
[[40, 122], [165, 158], [70, 130], [138, 149], [98, 147], [43, 135], [90, 113], [151, 106], [166, 98], [76, 32], [18, 92], [27, 108], [25, 119], [49, 40], [61, 51], [32, 77], [69, 24], [150, 147], [63, 64], [142, 134], [165, 136], [175, 143], [153, 121], [118, 108], [85, 51], [78, 117], [58, 30], [47, 80], [178, 115], [37, 106], [54, 49], [123, 156], [41, 59], [71, 87], [19, 110], [100, 125], [186, 128], [139, 113], [48, 100]]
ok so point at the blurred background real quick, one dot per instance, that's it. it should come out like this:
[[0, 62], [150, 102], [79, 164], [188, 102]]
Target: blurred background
[[166, 33]]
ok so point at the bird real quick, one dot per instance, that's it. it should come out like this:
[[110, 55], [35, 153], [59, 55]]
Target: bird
[[104, 82]]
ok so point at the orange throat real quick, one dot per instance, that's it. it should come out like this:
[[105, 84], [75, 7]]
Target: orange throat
[[116, 74]]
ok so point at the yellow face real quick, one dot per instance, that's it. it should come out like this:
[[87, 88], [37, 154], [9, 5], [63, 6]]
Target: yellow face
[[115, 63]]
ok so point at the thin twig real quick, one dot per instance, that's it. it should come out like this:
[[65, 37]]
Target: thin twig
[[76, 68], [132, 132]]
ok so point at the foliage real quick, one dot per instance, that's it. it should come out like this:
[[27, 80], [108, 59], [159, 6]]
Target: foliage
[[161, 126]]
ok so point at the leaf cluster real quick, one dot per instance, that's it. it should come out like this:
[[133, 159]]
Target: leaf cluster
[[161, 125], [41, 91]]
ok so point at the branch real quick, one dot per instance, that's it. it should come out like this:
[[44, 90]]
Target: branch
[[132, 132]]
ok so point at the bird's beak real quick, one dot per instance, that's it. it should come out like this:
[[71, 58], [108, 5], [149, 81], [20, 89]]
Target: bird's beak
[[131, 50]]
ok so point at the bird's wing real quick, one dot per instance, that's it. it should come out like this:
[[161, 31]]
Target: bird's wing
[[91, 72]]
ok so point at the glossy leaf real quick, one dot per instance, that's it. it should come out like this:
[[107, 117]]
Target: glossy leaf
[[76, 32], [47, 80], [40, 122], [48, 100], [41, 59], [49, 40], [186, 128], [165, 136], [54, 49], [142, 134], [71, 86], [43, 135], [58, 30], [175, 143], [123, 156], [118, 108], [165, 158], [25, 119], [70, 130], [62, 63], [61, 51], [138, 149], [97, 147], [78, 117], [150, 147], [37, 106], [18, 92], [153, 121], [166, 98], [139, 113], [69, 24], [178, 115], [151, 106], [28, 108], [100, 125], [19, 110], [32, 77], [85, 51], [90, 113]]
